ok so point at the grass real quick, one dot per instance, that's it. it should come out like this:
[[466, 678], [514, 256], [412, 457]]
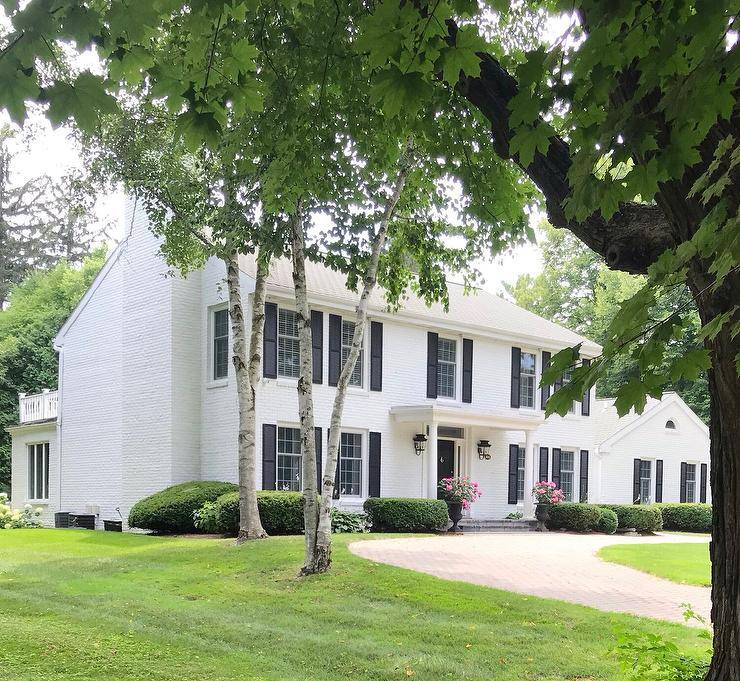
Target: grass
[[682, 563], [90, 605]]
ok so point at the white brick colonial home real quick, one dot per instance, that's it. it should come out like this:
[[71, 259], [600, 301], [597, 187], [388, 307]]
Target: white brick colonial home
[[147, 399]]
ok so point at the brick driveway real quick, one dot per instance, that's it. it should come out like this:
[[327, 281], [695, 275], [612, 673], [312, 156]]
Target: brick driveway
[[551, 565]]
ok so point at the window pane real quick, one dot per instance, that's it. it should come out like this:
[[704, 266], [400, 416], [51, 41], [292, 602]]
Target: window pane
[[220, 344], [288, 345], [289, 459], [520, 475], [350, 464], [31, 472], [46, 470], [348, 332], [645, 481], [526, 379], [566, 474], [446, 367], [39, 472], [691, 483]]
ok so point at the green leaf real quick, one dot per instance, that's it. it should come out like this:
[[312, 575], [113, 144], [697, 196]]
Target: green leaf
[[198, 128], [532, 70], [711, 329], [84, 101], [399, 92], [16, 88], [691, 365], [462, 56], [528, 140]]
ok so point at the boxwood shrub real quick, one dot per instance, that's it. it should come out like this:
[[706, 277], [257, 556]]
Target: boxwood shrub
[[644, 519], [686, 517], [280, 512], [608, 522], [399, 514], [171, 510], [573, 516]]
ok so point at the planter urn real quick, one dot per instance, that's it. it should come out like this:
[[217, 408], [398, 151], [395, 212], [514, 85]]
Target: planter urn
[[542, 513], [454, 510]]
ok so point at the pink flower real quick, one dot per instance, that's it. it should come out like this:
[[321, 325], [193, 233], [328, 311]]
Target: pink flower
[[448, 487]]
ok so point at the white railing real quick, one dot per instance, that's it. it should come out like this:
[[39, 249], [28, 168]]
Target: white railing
[[39, 407]]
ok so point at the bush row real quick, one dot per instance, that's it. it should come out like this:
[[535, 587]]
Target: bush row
[[686, 517], [213, 507], [637, 517], [604, 517]]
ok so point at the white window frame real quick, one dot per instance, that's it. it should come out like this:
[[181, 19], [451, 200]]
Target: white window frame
[[360, 359], [278, 454], [457, 340], [525, 351], [281, 376], [574, 472], [46, 483], [651, 481], [212, 380], [695, 481], [520, 473], [363, 462]]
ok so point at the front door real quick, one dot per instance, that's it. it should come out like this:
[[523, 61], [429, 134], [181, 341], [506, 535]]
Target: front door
[[445, 462]]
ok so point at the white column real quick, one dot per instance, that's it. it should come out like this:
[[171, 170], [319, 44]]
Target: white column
[[528, 474], [432, 462]]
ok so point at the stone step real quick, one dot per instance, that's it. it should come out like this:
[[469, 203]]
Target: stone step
[[474, 525]]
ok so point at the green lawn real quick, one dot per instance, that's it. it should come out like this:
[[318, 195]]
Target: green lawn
[[81, 605], [683, 563]]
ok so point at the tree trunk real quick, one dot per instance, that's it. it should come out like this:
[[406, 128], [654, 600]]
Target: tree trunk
[[321, 554], [305, 388], [724, 428], [250, 526]]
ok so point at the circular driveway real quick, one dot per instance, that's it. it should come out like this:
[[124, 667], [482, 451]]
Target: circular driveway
[[550, 565]]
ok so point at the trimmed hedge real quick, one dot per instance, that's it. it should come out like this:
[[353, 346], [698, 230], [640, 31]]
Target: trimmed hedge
[[280, 512], [397, 514], [171, 510], [686, 517], [644, 519], [608, 521], [573, 516]]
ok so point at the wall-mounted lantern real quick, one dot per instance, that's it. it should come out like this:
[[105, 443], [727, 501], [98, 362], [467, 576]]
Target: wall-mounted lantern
[[484, 450], [420, 443]]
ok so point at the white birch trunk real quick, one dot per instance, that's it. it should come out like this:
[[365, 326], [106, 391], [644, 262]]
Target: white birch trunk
[[305, 388], [247, 372], [321, 558]]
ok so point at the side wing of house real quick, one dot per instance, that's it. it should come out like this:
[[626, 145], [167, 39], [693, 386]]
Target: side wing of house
[[662, 455]]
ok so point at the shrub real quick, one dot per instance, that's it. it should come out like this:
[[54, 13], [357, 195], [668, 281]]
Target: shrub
[[280, 512], [345, 521], [171, 510], [573, 516], [608, 522], [686, 517], [205, 518], [644, 519], [389, 514], [11, 519]]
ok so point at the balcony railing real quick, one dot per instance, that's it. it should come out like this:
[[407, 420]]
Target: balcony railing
[[39, 407]]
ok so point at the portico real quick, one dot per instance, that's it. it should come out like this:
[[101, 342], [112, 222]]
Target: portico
[[465, 427]]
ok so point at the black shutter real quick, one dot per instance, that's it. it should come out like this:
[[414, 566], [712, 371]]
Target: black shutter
[[269, 451], [516, 368], [513, 470], [269, 342], [544, 463], [319, 464], [545, 389], [586, 401], [432, 349], [659, 481], [583, 488], [703, 484], [682, 498], [335, 348], [373, 478], [317, 345], [376, 356], [467, 371], [636, 481], [556, 466]]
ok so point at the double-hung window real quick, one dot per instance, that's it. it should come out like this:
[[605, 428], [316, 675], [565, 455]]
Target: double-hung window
[[645, 481], [690, 483], [567, 376], [348, 332], [288, 356], [350, 464], [567, 460], [527, 369], [38, 471], [220, 344], [289, 459], [520, 474], [446, 367]]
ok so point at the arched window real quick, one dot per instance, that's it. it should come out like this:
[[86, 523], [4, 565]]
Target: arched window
[[670, 425]]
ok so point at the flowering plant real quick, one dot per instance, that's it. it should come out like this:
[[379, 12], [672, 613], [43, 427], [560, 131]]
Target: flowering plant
[[547, 493], [11, 519], [460, 490]]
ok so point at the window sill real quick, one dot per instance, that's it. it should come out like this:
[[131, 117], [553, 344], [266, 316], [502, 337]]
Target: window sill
[[38, 502], [221, 383]]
